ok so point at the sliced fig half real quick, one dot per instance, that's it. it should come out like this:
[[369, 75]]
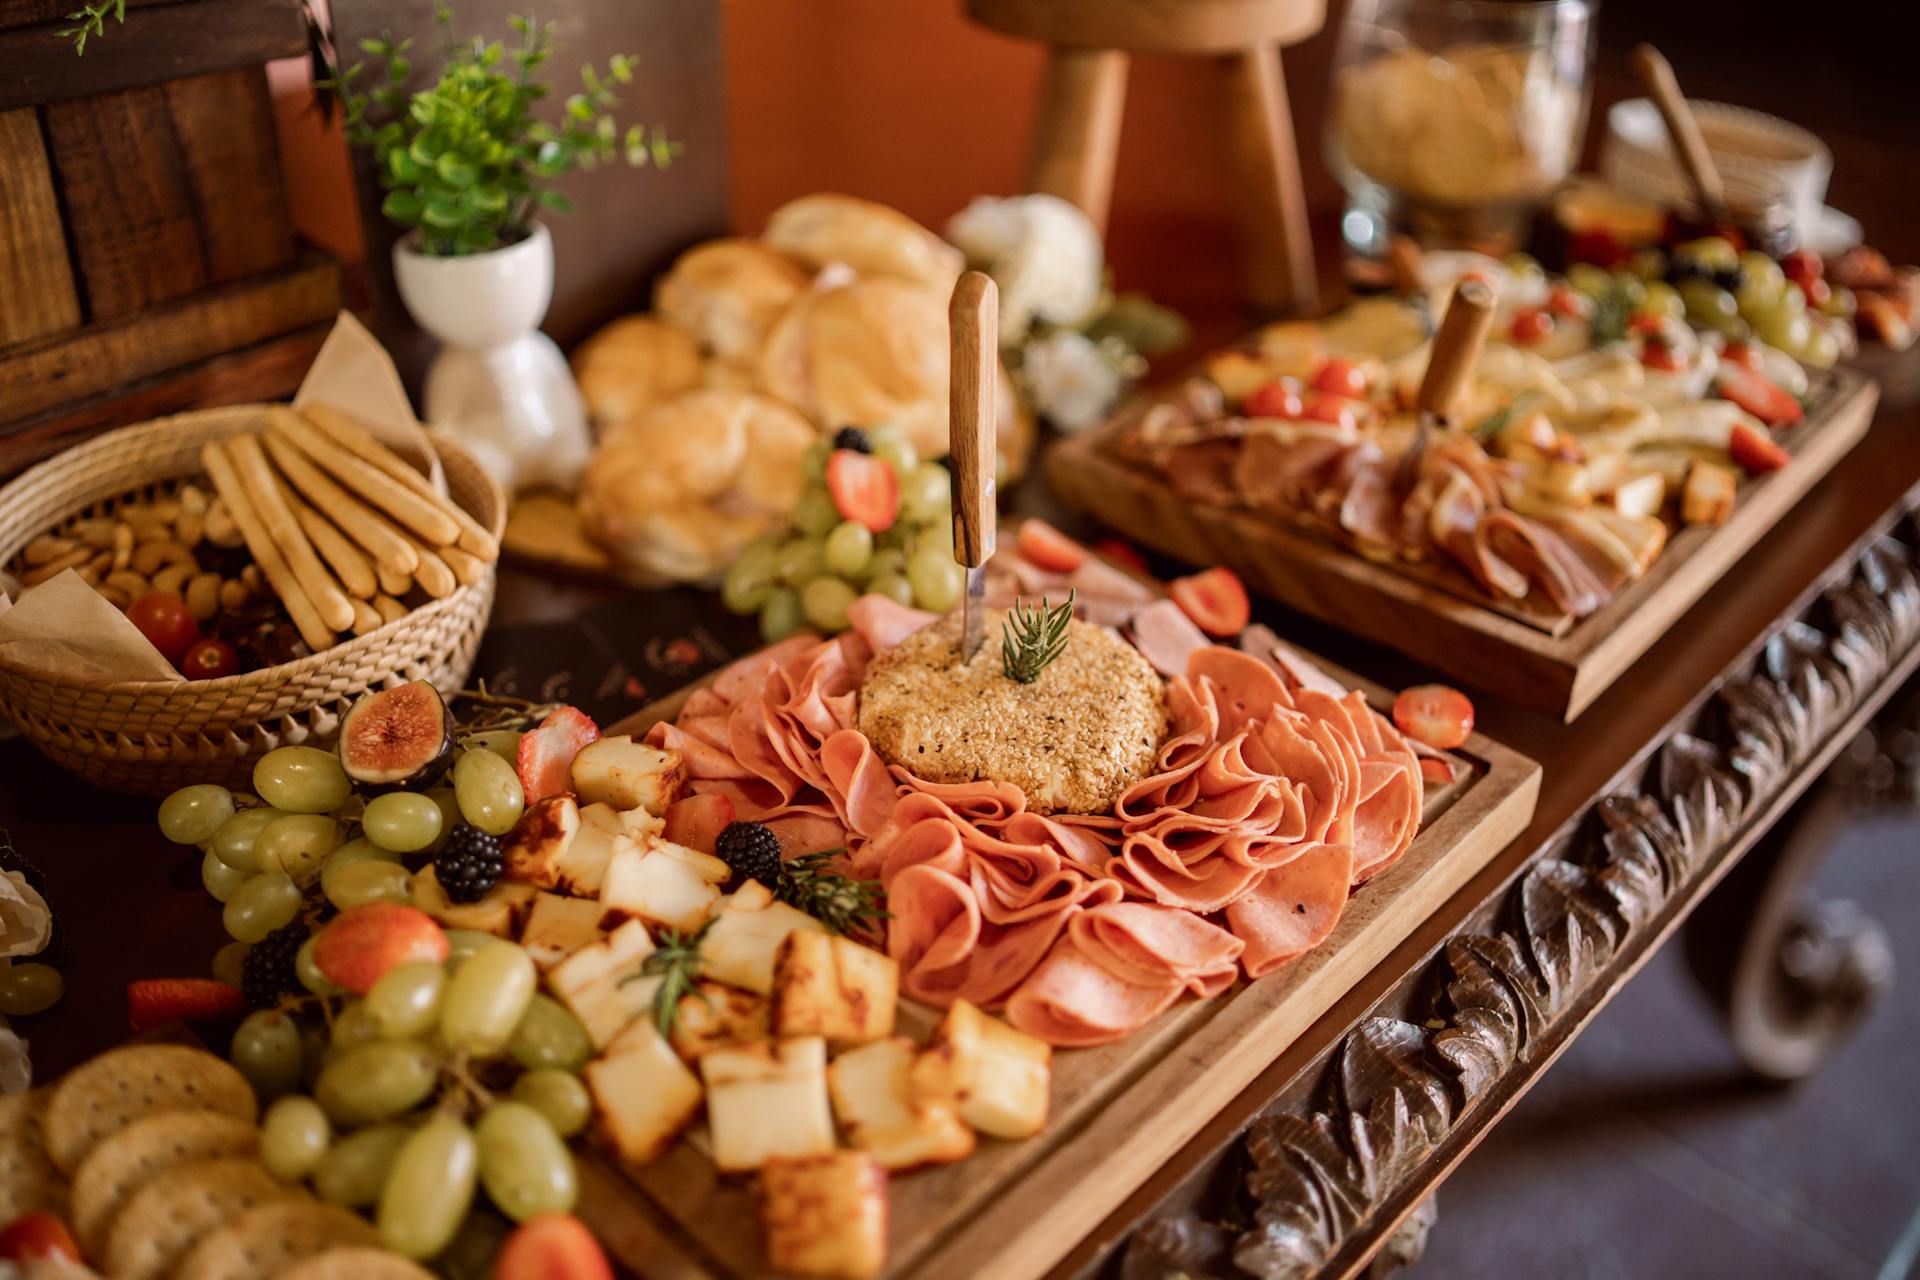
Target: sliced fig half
[[398, 738]]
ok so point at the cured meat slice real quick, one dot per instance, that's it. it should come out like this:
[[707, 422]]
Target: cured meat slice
[[1292, 909], [1545, 558], [1166, 637], [884, 623], [1118, 967]]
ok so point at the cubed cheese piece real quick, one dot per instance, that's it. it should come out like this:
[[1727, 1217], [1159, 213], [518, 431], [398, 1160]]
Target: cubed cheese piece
[[1707, 497], [718, 1017], [535, 849], [748, 928], [625, 774], [663, 883], [637, 823], [500, 911], [826, 985], [584, 869], [825, 1215], [767, 1099], [997, 1078], [643, 1095], [558, 926], [1641, 496], [601, 984], [872, 1100]]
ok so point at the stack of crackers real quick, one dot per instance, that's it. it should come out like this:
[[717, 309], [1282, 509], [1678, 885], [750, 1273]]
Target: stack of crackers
[[150, 1153]]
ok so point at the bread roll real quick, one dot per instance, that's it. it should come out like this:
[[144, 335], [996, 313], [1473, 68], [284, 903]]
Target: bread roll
[[869, 237], [632, 364], [727, 294]]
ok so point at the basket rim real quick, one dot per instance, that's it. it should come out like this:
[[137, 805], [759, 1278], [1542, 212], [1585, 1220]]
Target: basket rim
[[443, 442]]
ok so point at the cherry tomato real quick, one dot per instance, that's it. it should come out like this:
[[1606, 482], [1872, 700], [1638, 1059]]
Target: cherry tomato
[[1532, 326], [1048, 548], [1562, 301], [1122, 553], [1435, 714], [1754, 452], [1658, 355], [1338, 410], [552, 1246], [1759, 395], [1215, 600], [209, 659], [164, 620], [1646, 324], [1277, 399], [38, 1235], [1802, 265], [1339, 377], [1744, 354]]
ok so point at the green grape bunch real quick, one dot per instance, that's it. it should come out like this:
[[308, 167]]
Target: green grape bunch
[[464, 161]]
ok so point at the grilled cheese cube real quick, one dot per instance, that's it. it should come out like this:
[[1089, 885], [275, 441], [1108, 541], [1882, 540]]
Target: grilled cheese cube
[[1708, 494], [997, 1078], [637, 823], [499, 912], [558, 926], [601, 983], [826, 985], [872, 1099], [767, 1099], [643, 1096], [825, 1215], [625, 774], [538, 846], [748, 928], [662, 882], [718, 1017]]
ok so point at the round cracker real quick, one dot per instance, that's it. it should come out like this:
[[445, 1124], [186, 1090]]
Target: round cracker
[[267, 1239], [29, 1180], [128, 1160], [117, 1088], [354, 1264], [166, 1218]]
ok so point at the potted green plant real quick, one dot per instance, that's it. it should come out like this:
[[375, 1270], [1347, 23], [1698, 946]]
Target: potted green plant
[[468, 168]]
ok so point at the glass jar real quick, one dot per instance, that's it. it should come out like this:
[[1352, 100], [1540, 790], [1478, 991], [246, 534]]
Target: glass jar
[[1455, 119]]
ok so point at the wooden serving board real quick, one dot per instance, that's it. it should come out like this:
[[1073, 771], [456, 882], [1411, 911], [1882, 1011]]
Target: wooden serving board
[[1560, 665], [1012, 1209]]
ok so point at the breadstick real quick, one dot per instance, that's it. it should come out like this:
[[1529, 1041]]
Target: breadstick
[[433, 575], [467, 568], [426, 518], [350, 435], [382, 541], [270, 505], [392, 581], [365, 618], [350, 563], [390, 609], [265, 554]]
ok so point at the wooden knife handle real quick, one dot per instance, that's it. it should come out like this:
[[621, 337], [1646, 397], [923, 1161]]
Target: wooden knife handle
[[1656, 76], [974, 322], [1456, 348]]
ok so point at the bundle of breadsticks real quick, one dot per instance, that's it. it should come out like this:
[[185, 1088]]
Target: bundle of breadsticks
[[342, 528]]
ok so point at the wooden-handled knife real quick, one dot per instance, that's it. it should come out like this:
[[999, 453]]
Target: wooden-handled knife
[[973, 318]]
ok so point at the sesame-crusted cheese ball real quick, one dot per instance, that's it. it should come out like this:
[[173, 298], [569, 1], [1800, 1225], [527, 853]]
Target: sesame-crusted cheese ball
[[1073, 740]]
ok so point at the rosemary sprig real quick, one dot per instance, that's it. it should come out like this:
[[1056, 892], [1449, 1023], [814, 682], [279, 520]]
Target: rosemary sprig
[[677, 964], [841, 903], [1033, 637]]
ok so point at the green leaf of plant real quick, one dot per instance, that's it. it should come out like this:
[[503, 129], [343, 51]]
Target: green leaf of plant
[[441, 212], [402, 207], [454, 171]]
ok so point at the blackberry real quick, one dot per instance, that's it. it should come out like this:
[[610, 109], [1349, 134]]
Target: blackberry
[[269, 970], [752, 850], [852, 438], [468, 864]]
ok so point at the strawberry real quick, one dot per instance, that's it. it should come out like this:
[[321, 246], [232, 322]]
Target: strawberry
[[864, 489], [363, 942], [1754, 451], [38, 1236], [152, 1002], [1759, 395], [552, 1246], [1122, 553], [697, 821], [545, 763], [1045, 547], [1215, 600], [1435, 714]]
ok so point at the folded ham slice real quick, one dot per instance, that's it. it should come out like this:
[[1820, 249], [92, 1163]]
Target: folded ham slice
[[1118, 967]]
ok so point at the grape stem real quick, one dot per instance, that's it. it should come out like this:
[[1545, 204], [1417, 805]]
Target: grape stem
[[457, 1072], [500, 711]]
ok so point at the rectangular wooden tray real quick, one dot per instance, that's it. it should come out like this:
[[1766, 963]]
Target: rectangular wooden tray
[[1012, 1209], [1559, 668]]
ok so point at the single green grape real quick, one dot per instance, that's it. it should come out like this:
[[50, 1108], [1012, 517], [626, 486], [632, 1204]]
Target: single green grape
[[751, 577], [937, 580], [353, 1026], [1707, 301], [354, 1169], [297, 844], [848, 548], [549, 1036], [1783, 328], [486, 1000], [523, 1164], [266, 1050], [886, 560], [780, 616], [428, 1188], [309, 973], [894, 586], [229, 963], [402, 821], [825, 602], [1663, 300], [1822, 349], [264, 903], [815, 513], [294, 1137], [193, 814], [218, 878], [405, 1001], [925, 492], [352, 853], [560, 1097], [1631, 288], [369, 881], [891, 447], [449, 812], [462, 943], [1841, 302], [1716, 252], [504, 743], [234, 842], [27, 989], [801, 561], [1761, 279], [933, 535], [376, 1081], [813, 462], [1584, 277], [302, 780], [489, 792]]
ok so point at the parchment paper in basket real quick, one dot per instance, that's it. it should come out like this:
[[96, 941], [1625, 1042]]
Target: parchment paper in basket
[[354, 374]]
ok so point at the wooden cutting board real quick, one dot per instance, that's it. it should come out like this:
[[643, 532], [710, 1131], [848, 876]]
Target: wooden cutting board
[[1119, 1111], [1555, 663]]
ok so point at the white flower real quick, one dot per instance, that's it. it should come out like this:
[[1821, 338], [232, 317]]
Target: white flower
[[1072, 382], [1043, 253]]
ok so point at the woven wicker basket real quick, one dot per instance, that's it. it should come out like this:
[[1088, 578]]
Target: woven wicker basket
[[153, 736]]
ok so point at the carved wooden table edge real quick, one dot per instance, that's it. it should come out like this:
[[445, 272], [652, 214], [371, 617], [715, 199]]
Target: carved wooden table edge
[[1354, 1142]]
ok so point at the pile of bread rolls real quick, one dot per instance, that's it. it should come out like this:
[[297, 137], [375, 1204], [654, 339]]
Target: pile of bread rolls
[[835, 316]]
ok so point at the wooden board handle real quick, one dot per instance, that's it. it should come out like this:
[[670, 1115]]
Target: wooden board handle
[[973, 318], [1456, 348], [1656, 76]]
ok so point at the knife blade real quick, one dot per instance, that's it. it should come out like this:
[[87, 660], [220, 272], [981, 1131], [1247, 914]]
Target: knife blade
[[973, 320]]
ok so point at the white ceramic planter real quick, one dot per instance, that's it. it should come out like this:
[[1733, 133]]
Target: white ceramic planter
[[500, 384]]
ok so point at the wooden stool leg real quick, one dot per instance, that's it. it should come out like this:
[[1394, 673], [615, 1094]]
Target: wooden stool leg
[[1276, 245], [1077, 139]]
